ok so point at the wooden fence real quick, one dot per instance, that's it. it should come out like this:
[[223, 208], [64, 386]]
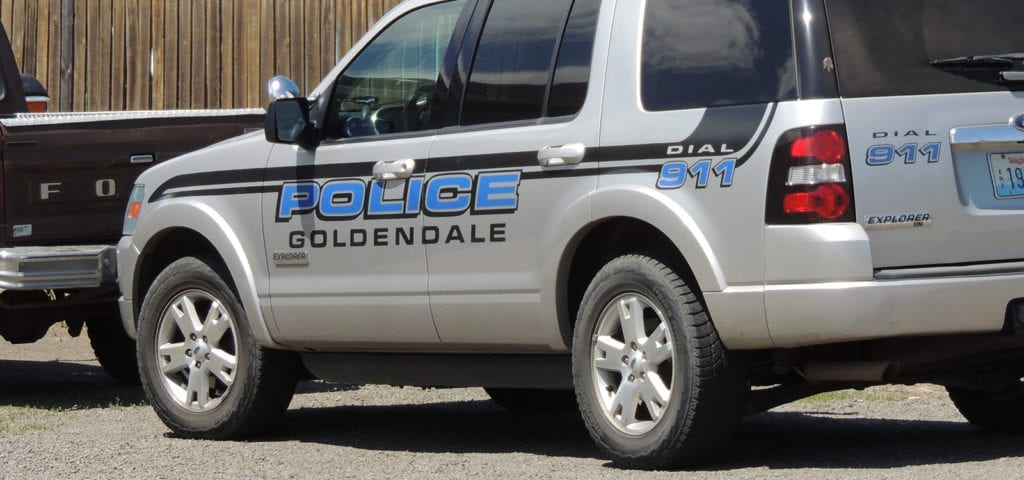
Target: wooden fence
[[95, 55]]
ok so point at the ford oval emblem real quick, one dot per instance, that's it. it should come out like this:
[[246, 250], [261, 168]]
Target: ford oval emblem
[[1018, 122]]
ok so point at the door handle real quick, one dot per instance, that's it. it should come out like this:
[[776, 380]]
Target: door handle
[[393, 170], [569, 154]]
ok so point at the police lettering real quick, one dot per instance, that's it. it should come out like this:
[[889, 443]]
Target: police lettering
[[399, 236], [440, 195]]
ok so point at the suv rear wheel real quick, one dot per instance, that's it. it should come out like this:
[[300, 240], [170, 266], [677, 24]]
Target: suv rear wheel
[[655, 386], [202, 370]]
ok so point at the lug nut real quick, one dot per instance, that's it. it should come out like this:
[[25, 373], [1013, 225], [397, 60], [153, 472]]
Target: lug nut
[[632, 345], [192, 337], [625, 359], [199, 364], [188, 353], [207, 356], [632, 378]]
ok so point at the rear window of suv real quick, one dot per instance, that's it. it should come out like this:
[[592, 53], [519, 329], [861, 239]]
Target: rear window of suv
[[883, 47], [709, 53]]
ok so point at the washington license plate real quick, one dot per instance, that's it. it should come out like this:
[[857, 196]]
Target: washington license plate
[[1007, 174]]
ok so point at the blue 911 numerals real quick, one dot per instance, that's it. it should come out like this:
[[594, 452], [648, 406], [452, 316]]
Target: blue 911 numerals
[[674, 174], [879, 155]]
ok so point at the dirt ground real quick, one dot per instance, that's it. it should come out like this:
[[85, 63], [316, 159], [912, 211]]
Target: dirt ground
[[62, 417]]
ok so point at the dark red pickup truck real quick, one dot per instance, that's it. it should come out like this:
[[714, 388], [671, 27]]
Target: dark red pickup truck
[[64, 185]]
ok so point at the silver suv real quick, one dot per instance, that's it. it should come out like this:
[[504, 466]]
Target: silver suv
[[640, 209]]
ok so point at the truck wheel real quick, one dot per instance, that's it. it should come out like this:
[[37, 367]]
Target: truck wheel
[[1001, 412], [114, 349], [655, 385], [202, 370], [530, 400]]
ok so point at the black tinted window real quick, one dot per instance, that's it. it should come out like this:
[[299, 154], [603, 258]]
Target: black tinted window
[[883, 47], [572, 71], [705, 53], [513, 62]]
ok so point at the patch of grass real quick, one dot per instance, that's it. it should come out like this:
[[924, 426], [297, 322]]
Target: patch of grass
[[79, 398], [19, 420], [867, 395]]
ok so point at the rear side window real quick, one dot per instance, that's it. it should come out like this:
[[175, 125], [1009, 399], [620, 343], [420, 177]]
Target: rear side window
[[883, 47], [516, 56], [708, 53]]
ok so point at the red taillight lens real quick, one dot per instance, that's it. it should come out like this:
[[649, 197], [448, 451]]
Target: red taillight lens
[[827, 146], [810, 179], [828, 201]]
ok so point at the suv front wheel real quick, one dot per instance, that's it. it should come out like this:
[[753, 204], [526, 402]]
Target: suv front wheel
[[655, 386], [202, 370]]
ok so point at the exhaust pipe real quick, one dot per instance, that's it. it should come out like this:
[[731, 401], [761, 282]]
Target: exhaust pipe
[[862, 372]]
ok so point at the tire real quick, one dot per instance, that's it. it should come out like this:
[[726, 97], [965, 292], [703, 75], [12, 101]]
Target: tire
[[529, 400], [114, 349], [208, 378], [1001, 412], [667, 396]]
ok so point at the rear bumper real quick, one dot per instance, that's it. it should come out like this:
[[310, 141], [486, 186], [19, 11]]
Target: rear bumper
[[35, 268], [811, 314]]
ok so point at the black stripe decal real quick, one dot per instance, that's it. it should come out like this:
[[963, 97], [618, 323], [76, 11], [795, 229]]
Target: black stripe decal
[[760, 136], [732, 127]]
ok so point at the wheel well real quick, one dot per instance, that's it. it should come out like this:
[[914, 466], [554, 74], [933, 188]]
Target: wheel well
[[168, 247], [604, 241]]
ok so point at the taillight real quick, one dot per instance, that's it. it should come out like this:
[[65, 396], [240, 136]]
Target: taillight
[[810, 180]]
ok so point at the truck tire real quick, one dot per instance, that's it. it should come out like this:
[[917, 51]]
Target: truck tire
[[114, 349], [202, 370], [531, 400], [1001, 412], [655, 386]]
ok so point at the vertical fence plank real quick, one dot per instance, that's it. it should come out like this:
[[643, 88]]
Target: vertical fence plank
[[140, 54], [226, 93], [198, 63], [246, 52], [79, 61], [51, 76], [117, 56], [266, 55]]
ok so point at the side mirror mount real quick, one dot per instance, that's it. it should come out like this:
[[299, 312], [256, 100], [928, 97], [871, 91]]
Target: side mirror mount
[[288, 122]]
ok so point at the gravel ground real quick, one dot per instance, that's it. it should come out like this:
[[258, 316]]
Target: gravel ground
[[61, 417]]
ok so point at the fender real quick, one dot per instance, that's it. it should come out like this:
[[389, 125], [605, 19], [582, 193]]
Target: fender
[[620, 201], [556, 242], [652, 207], [207, 222]]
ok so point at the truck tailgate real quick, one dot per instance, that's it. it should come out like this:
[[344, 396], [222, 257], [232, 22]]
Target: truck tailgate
[[66, 178]]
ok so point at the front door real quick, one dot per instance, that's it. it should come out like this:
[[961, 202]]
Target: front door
[[343, 243]]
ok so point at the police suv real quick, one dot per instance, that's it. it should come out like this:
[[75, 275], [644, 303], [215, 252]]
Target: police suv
[[665, 213]]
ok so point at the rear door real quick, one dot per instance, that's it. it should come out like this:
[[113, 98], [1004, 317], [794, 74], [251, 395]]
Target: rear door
[[938, 170], [517, 159]]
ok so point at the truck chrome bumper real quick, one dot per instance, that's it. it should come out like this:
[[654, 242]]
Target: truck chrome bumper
[[31, 268]]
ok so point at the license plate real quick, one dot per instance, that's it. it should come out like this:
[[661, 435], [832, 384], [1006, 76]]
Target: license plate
[[1007, 174]]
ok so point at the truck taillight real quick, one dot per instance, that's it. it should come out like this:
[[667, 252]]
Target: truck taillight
[[809, 180]]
